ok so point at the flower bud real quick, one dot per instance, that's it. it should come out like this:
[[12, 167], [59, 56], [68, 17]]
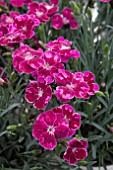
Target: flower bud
[[103, 84], [111, 129], [99, 93], [12, 127], [13, 76], [106, 48], [89, 12], [75, 7]]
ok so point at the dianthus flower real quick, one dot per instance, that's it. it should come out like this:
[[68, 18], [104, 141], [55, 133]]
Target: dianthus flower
[[39, 94], [69, 117], [79, 85], [90, 78], [47, 72], [56, 124], [75, 151], [105, 0], [26, 59], [48, 128], [63, 48], [59, 20], [19, 3], [71, 86], [39, 10], [25, 25]]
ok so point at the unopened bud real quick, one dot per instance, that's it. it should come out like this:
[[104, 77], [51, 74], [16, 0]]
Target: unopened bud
[[13, 76], [75, 7], [99, 93], [11, 127], [111, 129], [106, 48], [103, 84], [89, 12]]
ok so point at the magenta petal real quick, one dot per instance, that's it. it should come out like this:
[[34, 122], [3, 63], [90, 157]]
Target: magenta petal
[[39, 127], [67, 153], [61, 132], [31, 94], [52, 11], [54, 2], [40, 104], [63, 93], [50, 117], [69, 156], [16, 61], [67, 12], [72, 160], [52, 57], [24, 67], [75, 121], [78, 143], [81, 153], [57, 21], [58, 94], [35, 63], [75, 54], [71, 133], [73, 24], [48, 141]]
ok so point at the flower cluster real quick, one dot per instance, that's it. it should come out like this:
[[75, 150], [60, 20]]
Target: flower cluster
[[58, 123], [47, 67], [16, 27]]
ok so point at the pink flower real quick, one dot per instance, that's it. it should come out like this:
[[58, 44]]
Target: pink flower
[[48, 128], [26, 59], [71, 86], [25, 25], [58, 20], [75, 151], [105, 0], [69, 117], [89, 78], [19, 3], [39, 10], [63, 48], [47, 72], [39, 94]]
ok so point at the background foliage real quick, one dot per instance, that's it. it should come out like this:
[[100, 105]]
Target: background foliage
[[94, 40]]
